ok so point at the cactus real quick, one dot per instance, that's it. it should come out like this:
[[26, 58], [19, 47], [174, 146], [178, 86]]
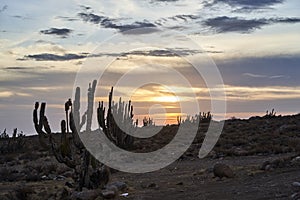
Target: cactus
[[179, 120], [119, 121], [89, 173], [270, 114], [198, 118], [12, 144], [148, 122]]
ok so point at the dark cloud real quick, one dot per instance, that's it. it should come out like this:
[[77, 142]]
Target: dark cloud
[[17, 16], [54, 57], [24, 68], [70, 19], [177, 18], [85, 7], [20, 17], [176, 52], [164, 1], [158, 53], [234, 24], [285, 20], [253, 3], [247, 5], [184, 17], [107, 22], [62, 32]]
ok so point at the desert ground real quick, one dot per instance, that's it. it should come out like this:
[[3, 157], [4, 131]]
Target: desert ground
[[262, 152]]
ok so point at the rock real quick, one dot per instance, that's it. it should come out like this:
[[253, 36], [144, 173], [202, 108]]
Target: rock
[[296, 184], [295, 161], [44, 177], [222, 170], [51, 176], [59, 178], [85, 195], [264, 165], [269, 168], [295, 196], [109, 194], [121, 186]]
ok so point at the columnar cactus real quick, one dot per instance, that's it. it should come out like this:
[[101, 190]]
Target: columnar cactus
[[89, 172], [11, 144], [119, 121], [198, 118]]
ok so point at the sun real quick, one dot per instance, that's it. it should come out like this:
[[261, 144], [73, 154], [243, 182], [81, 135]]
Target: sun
[[167, 99]]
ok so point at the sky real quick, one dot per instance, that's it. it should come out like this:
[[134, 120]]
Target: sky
[[143, 48]]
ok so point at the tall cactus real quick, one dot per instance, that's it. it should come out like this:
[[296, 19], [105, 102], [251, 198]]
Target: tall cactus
[[119, 121], [91, 94], [89, 172]]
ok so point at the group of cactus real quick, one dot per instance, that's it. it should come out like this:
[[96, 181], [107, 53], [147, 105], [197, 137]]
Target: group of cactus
[[270, 114], [198, 118], [118, 122], [11, 144], [115, 124]]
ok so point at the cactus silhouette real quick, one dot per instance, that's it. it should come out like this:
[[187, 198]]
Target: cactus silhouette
[[88, 172]]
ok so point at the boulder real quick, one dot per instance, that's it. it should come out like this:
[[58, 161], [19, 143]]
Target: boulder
[[222, 170]]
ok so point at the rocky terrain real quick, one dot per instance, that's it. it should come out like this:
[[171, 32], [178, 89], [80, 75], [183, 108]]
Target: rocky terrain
[[257, 158]]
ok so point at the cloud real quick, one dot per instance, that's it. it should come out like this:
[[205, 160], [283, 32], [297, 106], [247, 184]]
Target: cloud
[[71, 56], [107, 22], [236, 93], [54, 57], [265, 71], [226, 24], [62, 32], [24, 68], [70, 19], [169, 52], [246, 5], [254, 75], [85, 7], [234, 24], [285, 20], [163, 1], [165, 52], [3, 8], [183, 18], [264, 76]]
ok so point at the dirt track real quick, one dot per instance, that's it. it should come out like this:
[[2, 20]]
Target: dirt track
[[193, 180]]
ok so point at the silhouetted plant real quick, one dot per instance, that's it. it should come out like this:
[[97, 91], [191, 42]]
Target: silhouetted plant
[[88, 172], [198, 118], [147, 121], [118, 122], [4, 134], [12, 144], [270, 114]]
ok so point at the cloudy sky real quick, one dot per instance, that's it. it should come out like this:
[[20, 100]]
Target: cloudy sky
[[44, 44]]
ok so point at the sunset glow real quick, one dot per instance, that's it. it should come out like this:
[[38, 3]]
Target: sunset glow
[[256, 51]]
